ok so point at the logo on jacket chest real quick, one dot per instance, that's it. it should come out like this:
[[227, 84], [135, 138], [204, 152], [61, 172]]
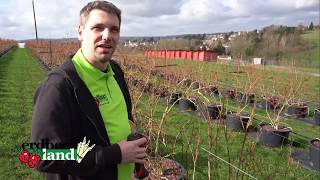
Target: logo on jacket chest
[[101, 100]]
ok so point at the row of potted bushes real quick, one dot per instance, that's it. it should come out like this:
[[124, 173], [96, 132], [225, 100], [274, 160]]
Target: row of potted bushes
[[269, 135], [296, 109]]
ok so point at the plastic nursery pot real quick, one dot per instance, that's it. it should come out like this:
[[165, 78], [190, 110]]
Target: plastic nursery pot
[[195, 85], [236, 122], [314, 151], [160, 92], [173, 97], [135, 82], [298, 111], [165, 169], [317, 116], [187, 105], [186, 82], [213, 91], [214, 111], [269, 136]]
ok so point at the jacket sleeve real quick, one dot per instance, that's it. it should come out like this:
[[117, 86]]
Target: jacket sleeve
[[52, 120]]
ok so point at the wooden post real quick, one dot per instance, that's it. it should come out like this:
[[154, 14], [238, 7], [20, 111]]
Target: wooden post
[[35, 21]]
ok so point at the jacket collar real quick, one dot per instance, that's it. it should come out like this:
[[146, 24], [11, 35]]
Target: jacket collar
[[95, 73], [85, 99]]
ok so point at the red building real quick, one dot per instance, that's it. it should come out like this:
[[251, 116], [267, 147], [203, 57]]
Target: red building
[[183, 54], [171, 54], [177, 54], [195, 55], [189, 55], [163, 54], [167, 54]]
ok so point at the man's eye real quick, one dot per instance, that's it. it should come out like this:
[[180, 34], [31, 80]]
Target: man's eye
[[115, 30], [98, 28]]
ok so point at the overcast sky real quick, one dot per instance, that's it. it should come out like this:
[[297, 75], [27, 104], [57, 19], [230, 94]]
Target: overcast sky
[[59, 18]]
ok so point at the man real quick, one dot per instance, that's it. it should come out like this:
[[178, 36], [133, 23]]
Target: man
[[87, 96]]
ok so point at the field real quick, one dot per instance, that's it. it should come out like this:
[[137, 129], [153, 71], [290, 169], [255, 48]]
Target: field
[[204, 146], [20, 74], [310, 57]]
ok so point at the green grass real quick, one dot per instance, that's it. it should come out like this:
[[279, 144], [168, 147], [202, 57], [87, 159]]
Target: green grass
[[309, 58], [313, 36], [184, 129], [20, 74]]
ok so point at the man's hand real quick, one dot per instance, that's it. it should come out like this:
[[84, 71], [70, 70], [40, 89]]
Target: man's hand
[[132, 152]]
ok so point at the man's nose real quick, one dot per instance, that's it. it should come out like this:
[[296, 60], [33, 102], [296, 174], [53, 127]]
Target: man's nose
[[106, 33]]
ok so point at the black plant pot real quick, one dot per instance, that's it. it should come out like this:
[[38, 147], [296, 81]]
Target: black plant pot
[[273, 137], [195, 85], [186, 82], [169, 169], [236, 122], [298, 111], [160, 92], [186, 105], [174, 97], [317, 116], [135, 82], [213, 91], [314, 152], [214, 111]]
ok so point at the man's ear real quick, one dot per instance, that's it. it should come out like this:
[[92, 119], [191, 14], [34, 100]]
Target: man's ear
[[79, 32]]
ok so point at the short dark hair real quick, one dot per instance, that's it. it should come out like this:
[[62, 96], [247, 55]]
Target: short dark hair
[[106, 6]]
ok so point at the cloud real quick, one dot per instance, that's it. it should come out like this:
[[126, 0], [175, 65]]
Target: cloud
[[149, 8], [58, 18]]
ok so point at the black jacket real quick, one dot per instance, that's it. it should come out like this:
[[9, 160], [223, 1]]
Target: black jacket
[[66, 112]]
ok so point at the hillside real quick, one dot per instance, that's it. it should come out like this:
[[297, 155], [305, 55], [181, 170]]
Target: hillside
[[309, 57]]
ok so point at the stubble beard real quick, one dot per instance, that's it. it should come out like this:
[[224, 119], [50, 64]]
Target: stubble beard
[[105, 58]]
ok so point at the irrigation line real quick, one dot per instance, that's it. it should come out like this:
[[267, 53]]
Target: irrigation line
[[228, 163]]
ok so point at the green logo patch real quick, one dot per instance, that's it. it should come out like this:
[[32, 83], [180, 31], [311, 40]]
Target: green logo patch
[[101, 99]]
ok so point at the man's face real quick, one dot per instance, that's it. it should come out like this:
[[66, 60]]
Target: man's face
[[99, 36]]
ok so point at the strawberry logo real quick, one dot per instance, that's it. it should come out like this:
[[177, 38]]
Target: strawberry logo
[[33, 160], [24, 157]]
